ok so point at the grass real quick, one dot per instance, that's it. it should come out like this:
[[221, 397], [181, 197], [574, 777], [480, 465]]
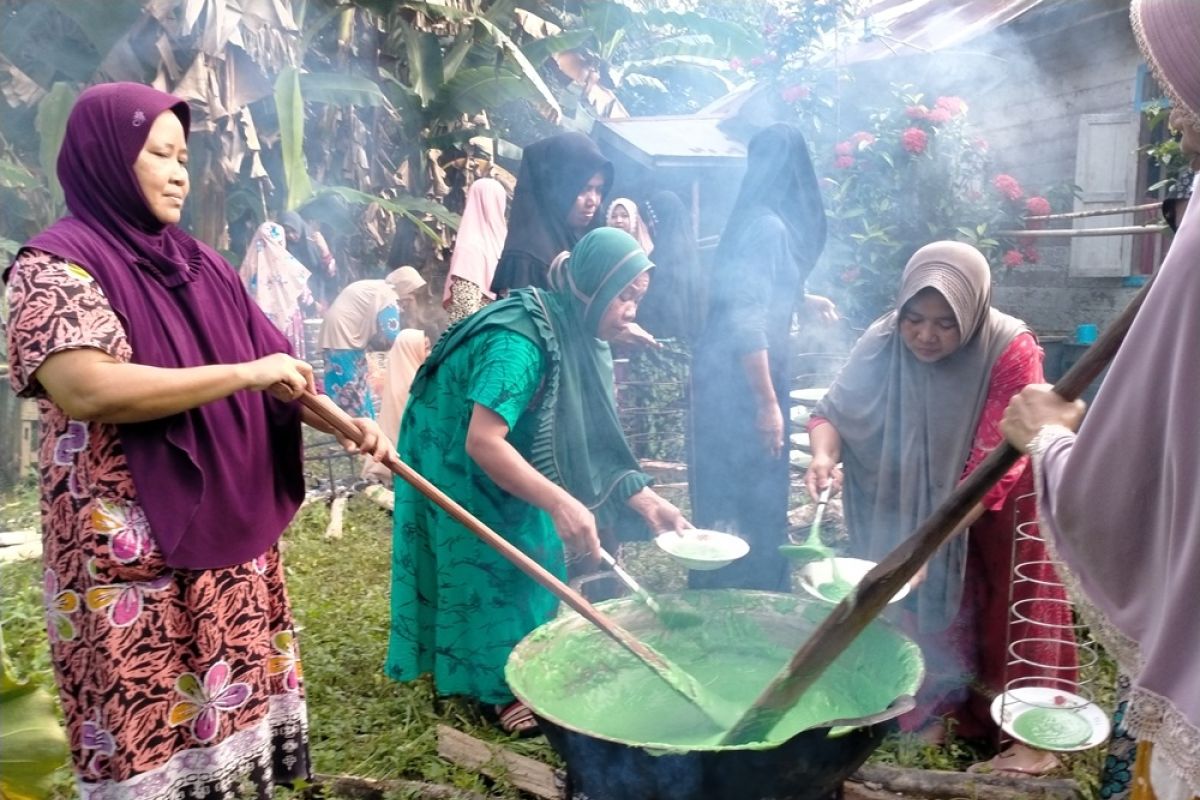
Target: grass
[[361, 722]]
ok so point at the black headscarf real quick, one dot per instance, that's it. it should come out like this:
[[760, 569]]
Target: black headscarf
[[303, 248], [673, 308], [553, 173], [780, 180]]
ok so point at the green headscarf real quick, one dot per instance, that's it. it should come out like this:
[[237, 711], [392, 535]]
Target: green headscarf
[[579, 443]]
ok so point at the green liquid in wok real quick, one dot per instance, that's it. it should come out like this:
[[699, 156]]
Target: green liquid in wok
[[584, 679]]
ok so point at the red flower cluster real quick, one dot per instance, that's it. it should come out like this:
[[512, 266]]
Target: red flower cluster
[[914, 140], [735, 64], [954, 106], [916, 112], [844, 162], [863, 139], [938, 116], [795, 93], [1037, 206], [1007, 185], [1013, 258], [979, 143], [843, 149], [1032, 256]]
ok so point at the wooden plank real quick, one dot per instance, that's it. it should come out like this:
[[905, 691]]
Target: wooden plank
[[943, 785], [381, 496], [527, 774]]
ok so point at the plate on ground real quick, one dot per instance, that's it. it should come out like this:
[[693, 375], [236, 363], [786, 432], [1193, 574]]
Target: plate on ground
[[1050, 719]]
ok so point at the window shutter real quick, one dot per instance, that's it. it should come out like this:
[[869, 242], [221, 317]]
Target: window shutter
[[1105, 170]]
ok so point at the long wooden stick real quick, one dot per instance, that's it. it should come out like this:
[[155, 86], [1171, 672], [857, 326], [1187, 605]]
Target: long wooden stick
[[852, 615], [675, 677]]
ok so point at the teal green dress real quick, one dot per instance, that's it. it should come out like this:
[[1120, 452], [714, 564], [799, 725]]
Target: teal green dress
[[458, 607]]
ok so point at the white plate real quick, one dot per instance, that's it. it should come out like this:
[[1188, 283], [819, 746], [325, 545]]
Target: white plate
[[1008, 707], [852, 570], [801, 441], [809, 397], [702, 550]]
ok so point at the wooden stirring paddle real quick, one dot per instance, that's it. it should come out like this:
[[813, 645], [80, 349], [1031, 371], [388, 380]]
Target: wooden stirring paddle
[[852, 615], [673, 675]]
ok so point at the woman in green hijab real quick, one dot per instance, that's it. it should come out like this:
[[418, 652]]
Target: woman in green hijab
[[512, 415]]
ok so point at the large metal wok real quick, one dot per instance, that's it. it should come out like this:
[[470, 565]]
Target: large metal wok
[[596, 713]]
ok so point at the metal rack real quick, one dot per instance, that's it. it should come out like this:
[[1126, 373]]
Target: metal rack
[[1036, 638]]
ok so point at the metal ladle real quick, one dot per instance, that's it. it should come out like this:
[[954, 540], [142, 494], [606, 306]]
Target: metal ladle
[[670, 617], [812, 548]]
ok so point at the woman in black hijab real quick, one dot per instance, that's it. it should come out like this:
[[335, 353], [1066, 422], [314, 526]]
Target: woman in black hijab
[[560, 189], [673, 308], [739, 472]]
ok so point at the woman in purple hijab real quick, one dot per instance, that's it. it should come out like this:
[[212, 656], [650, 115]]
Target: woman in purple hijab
[[1120, 499], [170, 463]]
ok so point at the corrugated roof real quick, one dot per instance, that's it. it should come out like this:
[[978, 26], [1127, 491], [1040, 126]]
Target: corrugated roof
[[671, 141], [911, 27]]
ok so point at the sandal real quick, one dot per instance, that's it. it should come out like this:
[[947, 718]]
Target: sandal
[[516, 719]]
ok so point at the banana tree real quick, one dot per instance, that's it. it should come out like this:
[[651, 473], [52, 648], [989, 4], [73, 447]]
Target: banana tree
[[652, 61]]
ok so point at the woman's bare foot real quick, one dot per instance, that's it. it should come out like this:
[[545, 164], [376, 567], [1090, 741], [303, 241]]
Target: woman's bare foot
[[1021, 759]]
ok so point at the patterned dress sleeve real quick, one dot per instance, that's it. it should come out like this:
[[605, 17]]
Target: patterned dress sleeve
[[465, 299], [55, 306], [506, 373], [1018, 366]]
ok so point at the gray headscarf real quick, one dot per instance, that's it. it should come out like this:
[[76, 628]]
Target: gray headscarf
[[907, 426]]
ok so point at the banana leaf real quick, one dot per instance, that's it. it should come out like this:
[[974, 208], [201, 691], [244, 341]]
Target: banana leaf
[[51, 124], [525, 68], [32, 743], [414, 209], [478, 88], [340, 90], [289, 105]]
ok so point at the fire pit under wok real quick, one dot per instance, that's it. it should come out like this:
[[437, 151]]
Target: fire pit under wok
[[624, 735]]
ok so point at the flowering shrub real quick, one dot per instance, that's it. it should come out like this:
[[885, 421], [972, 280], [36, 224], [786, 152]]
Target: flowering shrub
[[915, 173]]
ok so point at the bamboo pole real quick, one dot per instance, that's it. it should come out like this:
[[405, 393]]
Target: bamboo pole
[[1098, 212], [1074, 233]]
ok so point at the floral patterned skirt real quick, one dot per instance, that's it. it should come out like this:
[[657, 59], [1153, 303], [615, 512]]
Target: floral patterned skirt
[[185, 684], [346, 381]]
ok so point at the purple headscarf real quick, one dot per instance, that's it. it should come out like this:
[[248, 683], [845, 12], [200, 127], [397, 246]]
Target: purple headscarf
[[1120, 500], [219, 483]]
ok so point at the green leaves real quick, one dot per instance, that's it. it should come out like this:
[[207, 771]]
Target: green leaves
[[414, 209], [289, 105], [32, 743], [51, 123], [336, 89], [480, 87], [524, 68]]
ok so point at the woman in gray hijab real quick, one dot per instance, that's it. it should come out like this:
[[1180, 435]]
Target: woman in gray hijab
[[917, 408]]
